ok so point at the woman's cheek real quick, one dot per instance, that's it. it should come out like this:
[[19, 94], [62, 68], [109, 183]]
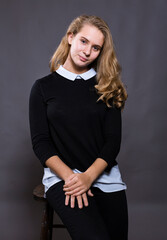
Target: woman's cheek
[[95, 55]]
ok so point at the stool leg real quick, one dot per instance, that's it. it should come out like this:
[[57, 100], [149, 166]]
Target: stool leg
[[50, 221], [45, 223]]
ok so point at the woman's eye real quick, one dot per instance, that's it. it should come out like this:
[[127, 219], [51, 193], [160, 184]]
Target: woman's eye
[[96, 48], [83, 41]]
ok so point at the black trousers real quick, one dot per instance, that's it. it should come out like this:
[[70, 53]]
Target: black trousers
[[106, 217]]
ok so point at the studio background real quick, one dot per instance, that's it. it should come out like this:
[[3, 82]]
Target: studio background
[[30, 32]]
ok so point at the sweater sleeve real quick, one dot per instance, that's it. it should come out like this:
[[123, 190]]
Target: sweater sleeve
[[112, 136], [40, 135]]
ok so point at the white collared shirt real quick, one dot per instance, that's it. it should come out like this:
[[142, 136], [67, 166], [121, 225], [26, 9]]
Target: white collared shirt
[[72, 76]]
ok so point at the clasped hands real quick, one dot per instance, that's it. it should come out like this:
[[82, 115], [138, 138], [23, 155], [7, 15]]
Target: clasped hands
[[77, 186]]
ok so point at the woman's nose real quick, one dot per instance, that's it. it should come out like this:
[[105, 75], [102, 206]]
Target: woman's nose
[[87, 50]]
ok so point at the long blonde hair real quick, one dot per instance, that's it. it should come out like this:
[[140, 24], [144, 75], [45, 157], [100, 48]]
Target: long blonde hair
[[109, 84]]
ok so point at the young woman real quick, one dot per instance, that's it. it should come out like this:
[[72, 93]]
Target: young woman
[[75, 122]]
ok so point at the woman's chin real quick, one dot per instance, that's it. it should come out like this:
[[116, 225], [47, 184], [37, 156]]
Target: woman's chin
[[81, 65]]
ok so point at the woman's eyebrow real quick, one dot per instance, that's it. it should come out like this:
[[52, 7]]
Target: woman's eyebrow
[[89, 41]]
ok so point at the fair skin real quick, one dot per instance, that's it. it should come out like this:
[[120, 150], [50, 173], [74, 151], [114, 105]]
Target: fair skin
[[85, 48]]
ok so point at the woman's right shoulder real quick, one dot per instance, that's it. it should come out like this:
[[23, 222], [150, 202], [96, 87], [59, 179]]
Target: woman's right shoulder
[[45, 79], [41, 85]]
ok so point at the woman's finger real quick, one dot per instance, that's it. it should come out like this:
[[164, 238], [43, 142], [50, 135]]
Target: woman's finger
[[77, 191], [72, 200], [90, 193], [79, 199], [67, 200], [74, 186], [70, 182], [85, 199]]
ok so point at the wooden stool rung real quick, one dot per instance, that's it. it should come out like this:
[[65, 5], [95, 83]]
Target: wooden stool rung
[[47, 217]]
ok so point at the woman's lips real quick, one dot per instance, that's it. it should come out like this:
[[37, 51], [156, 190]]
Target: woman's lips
[[82, 59]]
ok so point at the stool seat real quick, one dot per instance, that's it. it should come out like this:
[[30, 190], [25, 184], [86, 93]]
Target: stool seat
[[47, 217], [38, 193]]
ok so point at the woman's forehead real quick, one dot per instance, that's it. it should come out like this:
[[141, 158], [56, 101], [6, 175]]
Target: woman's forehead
[[92, 34]]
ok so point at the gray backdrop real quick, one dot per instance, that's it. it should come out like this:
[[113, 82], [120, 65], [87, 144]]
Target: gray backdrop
[[30, 32]]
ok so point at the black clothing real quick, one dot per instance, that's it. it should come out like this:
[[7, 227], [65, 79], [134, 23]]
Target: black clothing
[[105, 218], [66, 120]]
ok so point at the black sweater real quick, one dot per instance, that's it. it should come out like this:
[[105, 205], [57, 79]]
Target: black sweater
[[66, 120]]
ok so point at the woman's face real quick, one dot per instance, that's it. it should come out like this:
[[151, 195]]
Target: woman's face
[[85, 48]]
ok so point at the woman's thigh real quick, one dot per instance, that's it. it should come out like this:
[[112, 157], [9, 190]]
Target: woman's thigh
[[113, 209], [85, 223]]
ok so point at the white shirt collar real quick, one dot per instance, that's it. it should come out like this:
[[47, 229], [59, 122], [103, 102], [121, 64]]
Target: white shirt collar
[[72, 76]]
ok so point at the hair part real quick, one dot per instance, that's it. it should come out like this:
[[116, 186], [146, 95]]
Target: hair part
[[109, 85]]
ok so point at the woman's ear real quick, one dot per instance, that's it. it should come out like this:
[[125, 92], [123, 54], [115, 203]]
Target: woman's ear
[[70, 38]]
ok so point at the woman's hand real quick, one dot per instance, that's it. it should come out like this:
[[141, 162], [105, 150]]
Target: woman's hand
[[77, 187], [77, 184], [81, 200]]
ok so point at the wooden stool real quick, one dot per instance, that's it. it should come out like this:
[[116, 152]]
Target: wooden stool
[[47, 218]]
